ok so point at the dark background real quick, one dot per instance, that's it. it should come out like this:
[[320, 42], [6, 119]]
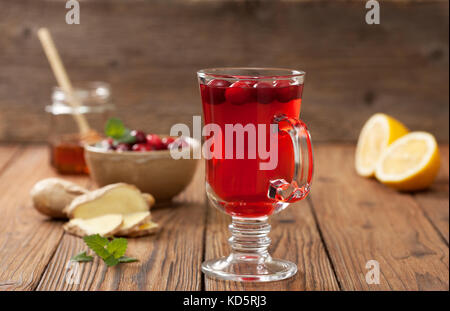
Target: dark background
[[150, 50]]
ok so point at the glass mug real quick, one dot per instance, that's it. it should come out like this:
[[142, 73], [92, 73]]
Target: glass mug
[[258, 160]]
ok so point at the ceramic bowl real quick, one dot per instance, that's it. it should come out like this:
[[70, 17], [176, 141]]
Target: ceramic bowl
[[155, 172]]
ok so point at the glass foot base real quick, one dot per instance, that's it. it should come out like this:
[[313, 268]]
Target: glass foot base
[[249, 268]]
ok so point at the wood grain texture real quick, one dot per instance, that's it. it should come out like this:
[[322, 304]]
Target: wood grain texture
[[27, 239], [362, 220], [347, 221], [435, 201], [294, 237], [7, 153], [169, 260], [150, 50]]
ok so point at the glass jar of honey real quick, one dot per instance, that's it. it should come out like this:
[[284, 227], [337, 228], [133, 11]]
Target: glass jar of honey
[[65, 141]]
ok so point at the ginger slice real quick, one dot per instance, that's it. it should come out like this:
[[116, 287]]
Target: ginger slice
[[149, 198], [118, 198], [144, 229], [105, 225], [131, 222]]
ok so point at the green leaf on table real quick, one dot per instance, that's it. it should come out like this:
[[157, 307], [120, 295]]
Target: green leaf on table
[[112, 252], [97, 244], [125, 259], [82, 257], [117, 247], [111, 261]]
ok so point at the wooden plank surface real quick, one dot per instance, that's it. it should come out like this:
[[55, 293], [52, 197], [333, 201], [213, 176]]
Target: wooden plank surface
[[362, 220], [347, 221], [7, 153], [169, 260], [434, 202], [27, 239], [149, 51], [294, 237]]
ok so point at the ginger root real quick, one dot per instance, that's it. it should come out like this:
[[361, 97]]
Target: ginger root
[[122, 199], [149, 198], [117, 209], [144, 229], [106, 225], [117, 198], [51, 195], [132, 222]]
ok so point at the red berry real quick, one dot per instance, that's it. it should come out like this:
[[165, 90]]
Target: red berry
[[167, 141], [250, 83], [282, 83], [141, 147], [216, 91], [155, 142], [265, 92], [139, 136], [286, 91], [240, 93], [123, 147]]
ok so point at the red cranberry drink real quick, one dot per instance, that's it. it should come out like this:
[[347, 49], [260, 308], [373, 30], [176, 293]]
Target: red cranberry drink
[[239, 182], [259, 161]]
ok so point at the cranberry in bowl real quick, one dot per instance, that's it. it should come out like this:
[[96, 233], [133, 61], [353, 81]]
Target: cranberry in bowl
[[144, 161]]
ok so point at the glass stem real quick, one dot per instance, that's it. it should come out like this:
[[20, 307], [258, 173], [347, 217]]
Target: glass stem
[[249, 237]]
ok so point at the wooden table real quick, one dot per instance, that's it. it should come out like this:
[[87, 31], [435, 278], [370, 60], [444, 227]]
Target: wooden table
[[346, 221]]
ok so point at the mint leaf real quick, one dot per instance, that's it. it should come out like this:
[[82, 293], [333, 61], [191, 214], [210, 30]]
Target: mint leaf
[[115, 128], [82, 257], [112, 252], [125, 259], [111, 261], [126, 138], [117, 247], [97, 244]]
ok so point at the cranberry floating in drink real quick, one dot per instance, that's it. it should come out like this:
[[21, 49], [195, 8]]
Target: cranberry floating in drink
[[214, 91], [240, 92], [256, 111]]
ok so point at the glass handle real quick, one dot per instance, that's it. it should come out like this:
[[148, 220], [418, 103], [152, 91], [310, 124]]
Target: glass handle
[[296, 190]]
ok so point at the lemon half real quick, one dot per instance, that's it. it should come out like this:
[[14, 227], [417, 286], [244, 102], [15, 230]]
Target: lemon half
[[410, 163], [376, 135]]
